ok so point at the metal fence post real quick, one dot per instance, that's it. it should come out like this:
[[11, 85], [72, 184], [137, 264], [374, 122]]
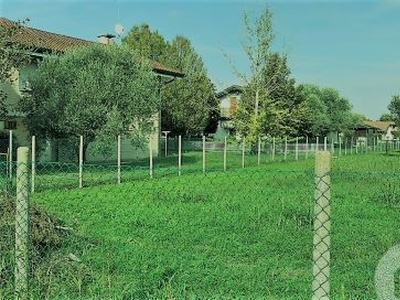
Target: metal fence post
[[356, 146], [322, 227], [33, 171], [307, 147], [225, 153], [22, 225], [204, 153], [81, 161], [119, 158], [259, 152], [243, 150], [286, 148], [273, 148], [179, 155], [351, 145], [150, 160], [10, 154]]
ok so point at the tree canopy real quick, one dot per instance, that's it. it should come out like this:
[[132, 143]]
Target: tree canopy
[[386, 117], [188, 105], [272, 103], [394, 109], [147, 43], [328, 111], [189, 102], [98, 92]]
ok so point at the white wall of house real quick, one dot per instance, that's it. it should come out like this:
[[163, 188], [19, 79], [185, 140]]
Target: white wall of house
[[14, 120], [227, 107]]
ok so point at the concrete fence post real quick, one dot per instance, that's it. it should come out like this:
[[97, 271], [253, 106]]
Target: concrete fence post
[[22, 225], [322, 227]]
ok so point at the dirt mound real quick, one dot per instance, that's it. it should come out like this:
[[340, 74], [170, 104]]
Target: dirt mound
[[46, 236]]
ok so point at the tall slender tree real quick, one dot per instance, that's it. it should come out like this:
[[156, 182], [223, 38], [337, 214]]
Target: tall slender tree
[[146, 42], [188, 105], [261, 112]]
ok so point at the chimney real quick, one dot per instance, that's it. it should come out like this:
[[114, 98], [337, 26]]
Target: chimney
[[106, 39]]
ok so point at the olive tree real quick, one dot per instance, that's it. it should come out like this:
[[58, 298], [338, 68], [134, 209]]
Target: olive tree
[[97, 92]]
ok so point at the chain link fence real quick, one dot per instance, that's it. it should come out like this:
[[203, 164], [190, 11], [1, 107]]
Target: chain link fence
[[83, 166], [209, 227], [322, 228]]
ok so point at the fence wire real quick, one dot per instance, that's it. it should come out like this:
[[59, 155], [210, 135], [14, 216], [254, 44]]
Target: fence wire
[[322, 228], [242, 233]]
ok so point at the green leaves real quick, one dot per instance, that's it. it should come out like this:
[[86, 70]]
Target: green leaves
[[97, 92], [328, 110], [188, 103], [394, 108]]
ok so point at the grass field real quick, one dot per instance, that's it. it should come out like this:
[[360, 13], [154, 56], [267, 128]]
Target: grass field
[[240, 234], [56, 176]]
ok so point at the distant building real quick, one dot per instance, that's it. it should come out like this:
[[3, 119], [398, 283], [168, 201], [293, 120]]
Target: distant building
[[228, 99], [383, 130]]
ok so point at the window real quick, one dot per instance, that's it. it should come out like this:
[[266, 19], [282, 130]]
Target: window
[[10, 125]]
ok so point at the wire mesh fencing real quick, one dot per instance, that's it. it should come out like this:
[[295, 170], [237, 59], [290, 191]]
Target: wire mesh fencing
[[322, 228], [89, 165], [254, 232]]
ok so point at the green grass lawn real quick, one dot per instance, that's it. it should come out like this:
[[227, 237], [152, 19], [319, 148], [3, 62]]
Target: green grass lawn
[[240, 234], [56, 176]]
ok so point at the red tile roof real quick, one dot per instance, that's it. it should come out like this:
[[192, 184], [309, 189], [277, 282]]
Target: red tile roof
[[44, 41], [381, 125]]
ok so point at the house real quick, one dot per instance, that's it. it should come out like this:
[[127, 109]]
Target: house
[[43, 43], [228, 99], [383, 130]]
